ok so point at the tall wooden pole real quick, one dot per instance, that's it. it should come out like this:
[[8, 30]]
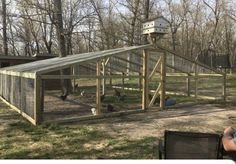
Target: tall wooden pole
[[163, 81], [145, 90], [98, 89]]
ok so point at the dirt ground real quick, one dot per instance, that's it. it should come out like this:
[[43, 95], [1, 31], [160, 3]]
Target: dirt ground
[[198, 118]]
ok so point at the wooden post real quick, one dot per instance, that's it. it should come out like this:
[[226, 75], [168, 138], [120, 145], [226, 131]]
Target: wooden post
[[224, 87], [145, 80], [104, 79], [38, 115], [163, 81], [188, 85], [140, 81], [42, 94], [196, 81], [73, 73], [128, 64], [123, 81], [98, 89], [110, 73]]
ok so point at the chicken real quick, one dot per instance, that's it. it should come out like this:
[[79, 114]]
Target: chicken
[[110, 108], [122, 98], [82, 93], [117, 93], [102, 97], [93, 110], [63, 97]]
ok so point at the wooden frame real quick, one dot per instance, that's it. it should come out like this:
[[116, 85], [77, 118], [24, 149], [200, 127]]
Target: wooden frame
[[98, 88], [37, 100], [145, 80], [163, 81]]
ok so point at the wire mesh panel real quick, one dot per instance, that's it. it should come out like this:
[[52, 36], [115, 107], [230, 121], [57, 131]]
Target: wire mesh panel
[[6, 87], [27, 96], [1, 84], [15, 91], [19, 92]]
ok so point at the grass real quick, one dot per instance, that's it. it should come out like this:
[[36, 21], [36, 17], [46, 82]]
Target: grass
[[21, 140], [50, 141]]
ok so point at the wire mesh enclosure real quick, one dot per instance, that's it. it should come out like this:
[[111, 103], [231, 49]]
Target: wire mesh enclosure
[[124, 78], [19, 92]]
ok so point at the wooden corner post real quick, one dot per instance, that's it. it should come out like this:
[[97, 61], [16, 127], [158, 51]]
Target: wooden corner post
[[38, 114], [98, 88], [163, 80], [188, 85], [224, 87], [104, 79], [196, 80], [145, 90]]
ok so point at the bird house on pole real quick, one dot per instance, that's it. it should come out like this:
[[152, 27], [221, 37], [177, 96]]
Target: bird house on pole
[[156, 27]]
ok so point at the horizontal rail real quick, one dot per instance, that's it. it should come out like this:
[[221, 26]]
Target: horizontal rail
[[86, 76]]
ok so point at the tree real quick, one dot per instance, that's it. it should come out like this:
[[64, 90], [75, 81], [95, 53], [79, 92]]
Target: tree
[[146, 17], [4, 27], [66, 84]]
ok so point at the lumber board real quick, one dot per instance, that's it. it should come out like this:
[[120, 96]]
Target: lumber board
[[98, 89], [90, 117], [163, 81], [154, 69], [145, 80], [87, 76], [37, 101]]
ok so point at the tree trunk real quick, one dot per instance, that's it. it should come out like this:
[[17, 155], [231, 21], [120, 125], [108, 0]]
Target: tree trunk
[[4, 28], [146, 16], [66, 84]]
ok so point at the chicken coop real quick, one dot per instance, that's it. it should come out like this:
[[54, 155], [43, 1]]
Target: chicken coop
[[23, 86]]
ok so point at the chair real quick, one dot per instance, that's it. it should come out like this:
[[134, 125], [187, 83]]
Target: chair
[[188, 145]]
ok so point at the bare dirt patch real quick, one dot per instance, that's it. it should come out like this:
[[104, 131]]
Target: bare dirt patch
[[198, 118]]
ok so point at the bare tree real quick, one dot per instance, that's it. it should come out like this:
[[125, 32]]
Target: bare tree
[[4, 27], [66, 84]]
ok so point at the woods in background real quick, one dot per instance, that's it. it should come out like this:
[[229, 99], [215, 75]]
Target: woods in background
[[29, 27]]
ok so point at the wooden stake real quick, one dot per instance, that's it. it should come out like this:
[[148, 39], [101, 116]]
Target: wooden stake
[[42, 94], [123, 81], [37, 100], [73, 73], [163, 81], [140, 81], [145, 80], [98, 89], [224, 87], [103, 79], [188, 85], [196, 81]]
